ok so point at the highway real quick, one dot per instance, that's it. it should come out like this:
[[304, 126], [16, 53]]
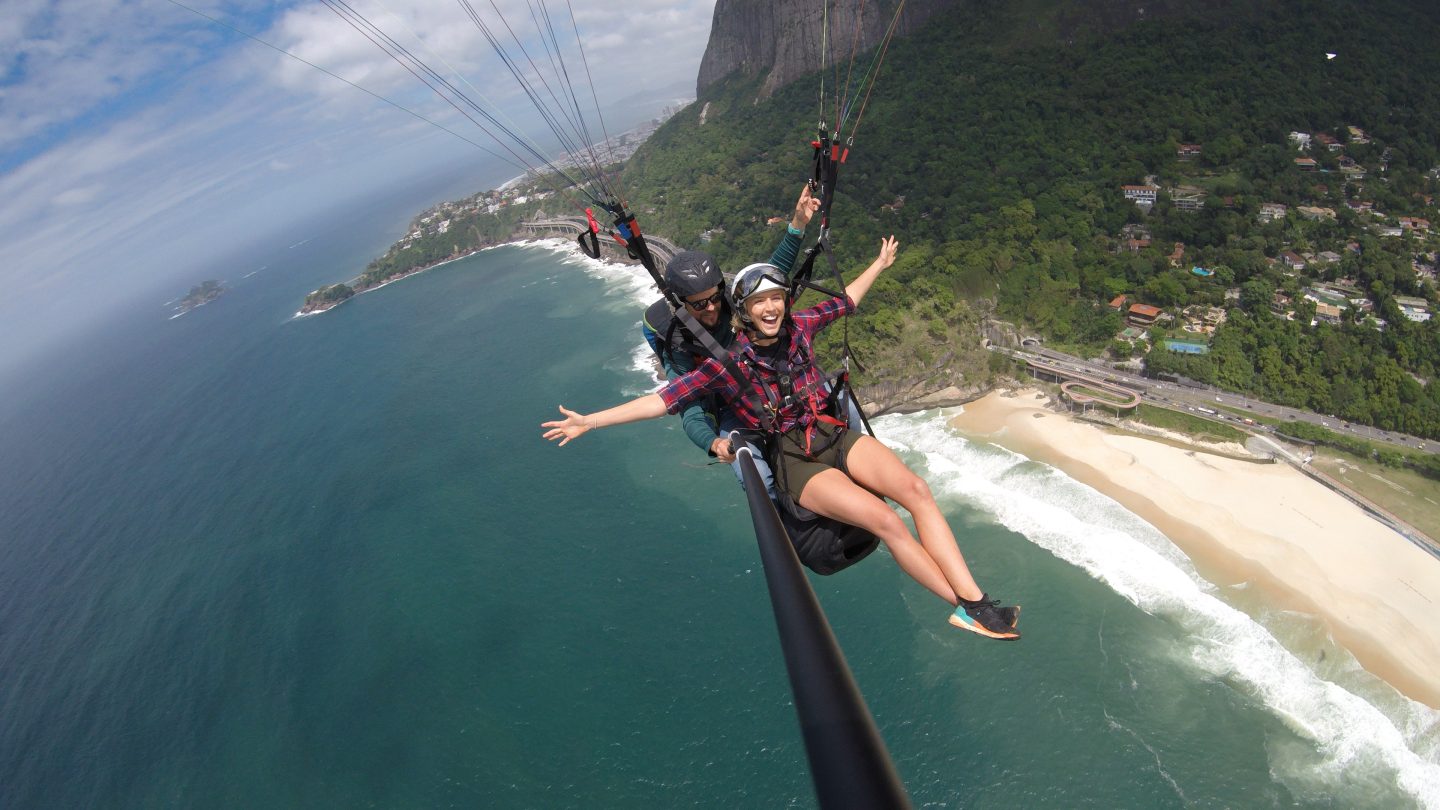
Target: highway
[[1203, 400]]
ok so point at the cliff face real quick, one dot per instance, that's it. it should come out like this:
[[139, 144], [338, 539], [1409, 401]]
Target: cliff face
[[782, 39]]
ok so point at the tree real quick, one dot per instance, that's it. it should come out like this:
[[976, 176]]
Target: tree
[[1256, 295]]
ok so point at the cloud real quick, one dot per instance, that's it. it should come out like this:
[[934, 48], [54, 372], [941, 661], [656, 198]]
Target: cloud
[[670, 43], [62, 60], [78, 196], [136, 136]]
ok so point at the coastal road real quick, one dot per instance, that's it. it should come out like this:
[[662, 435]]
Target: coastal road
[[1193, 397]]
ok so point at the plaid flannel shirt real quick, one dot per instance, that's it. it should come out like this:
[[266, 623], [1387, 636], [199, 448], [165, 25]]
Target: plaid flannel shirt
[[712, 377]]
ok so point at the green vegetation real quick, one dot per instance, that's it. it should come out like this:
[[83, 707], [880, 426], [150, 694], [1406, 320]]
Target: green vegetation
[[996, 154], [1386, 455], [448, 231], [1398, 491], [1202, 429], [333, 294], [202, 293]]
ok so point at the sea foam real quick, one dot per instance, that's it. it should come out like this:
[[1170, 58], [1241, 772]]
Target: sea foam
[[1354, 739], [628, 287], [627, 283]]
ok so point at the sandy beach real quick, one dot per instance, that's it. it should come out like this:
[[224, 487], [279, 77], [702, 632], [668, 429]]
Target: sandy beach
[[1306, 547]]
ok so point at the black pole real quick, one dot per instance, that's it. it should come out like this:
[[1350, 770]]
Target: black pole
[[848, 760]]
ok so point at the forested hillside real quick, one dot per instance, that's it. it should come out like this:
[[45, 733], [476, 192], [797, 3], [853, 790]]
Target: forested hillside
[[996, 145]]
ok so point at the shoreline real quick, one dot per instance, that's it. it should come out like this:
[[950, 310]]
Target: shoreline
[[1301, 545], [303, 313], [516, 238]]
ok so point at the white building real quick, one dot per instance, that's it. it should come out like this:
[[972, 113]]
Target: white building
[[1143, 196]]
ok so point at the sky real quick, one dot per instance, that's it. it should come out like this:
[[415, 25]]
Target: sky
[[138, 138]]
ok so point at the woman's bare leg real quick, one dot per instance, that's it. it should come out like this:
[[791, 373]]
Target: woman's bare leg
[[831, 493], [876, 468]]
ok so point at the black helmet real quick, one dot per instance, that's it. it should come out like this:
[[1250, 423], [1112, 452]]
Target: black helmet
[[692, 272]]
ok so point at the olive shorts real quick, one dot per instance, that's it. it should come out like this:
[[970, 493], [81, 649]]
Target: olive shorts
[[800, 467]]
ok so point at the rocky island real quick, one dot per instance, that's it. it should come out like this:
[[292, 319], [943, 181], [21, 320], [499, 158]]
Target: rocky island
[[200, 295]]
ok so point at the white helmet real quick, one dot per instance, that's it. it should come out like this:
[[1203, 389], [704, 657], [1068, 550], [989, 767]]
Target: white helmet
[[755, 279], [751, 281]]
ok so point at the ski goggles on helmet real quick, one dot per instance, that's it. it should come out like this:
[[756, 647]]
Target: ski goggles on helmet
[[755, 279]]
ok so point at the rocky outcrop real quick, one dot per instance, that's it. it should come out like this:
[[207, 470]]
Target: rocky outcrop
[[781, 40], [916, 396]]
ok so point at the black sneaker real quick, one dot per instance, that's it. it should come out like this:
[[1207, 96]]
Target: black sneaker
[[987, 618], [1011, 615]]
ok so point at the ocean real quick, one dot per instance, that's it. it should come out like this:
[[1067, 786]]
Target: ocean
[[254, 560]]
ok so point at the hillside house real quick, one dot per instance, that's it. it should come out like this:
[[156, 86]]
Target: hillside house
[[1345, 287], [1177, 256], [1269, 212], [1188, 151], [1142, 315], [1327, 257], [1415, 224], [1135, 238], [1306, 164], [1326, 313], [1118, 302], [1188, 198], [1328, 296], [1292, 260], [1202, 320], [1301, 140], [1316, 213], [1415, 309], [1351, 169], [1143, 196], [1357, 135], [1329, 142]]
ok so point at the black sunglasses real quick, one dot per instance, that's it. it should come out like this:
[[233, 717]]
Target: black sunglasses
[[705, 303]]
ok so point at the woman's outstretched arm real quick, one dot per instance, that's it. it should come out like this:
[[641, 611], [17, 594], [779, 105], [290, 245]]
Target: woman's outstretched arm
[[861, 285], [574, 425]]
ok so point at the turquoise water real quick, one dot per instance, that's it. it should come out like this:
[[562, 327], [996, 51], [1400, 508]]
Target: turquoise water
[[251, 560]]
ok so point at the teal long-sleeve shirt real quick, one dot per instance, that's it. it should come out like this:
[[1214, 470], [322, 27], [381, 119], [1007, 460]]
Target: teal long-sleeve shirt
[[700, 423]]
